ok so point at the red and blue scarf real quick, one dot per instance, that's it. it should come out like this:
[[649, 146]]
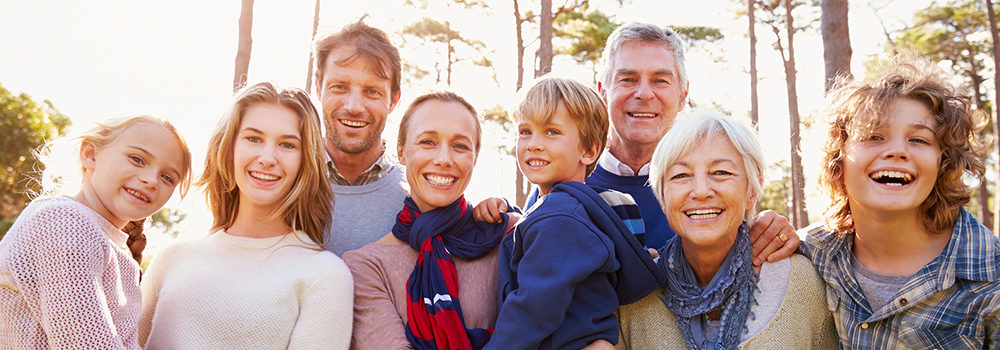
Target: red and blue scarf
[[434, 314]]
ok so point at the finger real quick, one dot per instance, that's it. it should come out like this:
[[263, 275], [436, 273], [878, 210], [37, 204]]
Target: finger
[[760, 223], [786, 250]]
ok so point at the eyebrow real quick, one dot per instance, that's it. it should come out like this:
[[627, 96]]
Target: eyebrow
[[258, 131], [716, 161], [629, 71], [147, 154], [435, 133]]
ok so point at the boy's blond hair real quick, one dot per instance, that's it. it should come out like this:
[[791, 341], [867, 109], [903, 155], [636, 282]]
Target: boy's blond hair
[[856, 108], [538, 103]]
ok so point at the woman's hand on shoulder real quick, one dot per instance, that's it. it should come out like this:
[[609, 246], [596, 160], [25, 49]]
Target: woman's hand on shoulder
[[773, 237], [599, 344]]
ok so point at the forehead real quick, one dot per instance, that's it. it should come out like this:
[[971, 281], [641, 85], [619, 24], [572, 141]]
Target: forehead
[[270, 116], [346, 60], [644, 56], [155, 139], [442, 116]]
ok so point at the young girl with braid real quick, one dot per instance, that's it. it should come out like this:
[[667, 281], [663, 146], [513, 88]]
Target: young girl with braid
[[67, 276]]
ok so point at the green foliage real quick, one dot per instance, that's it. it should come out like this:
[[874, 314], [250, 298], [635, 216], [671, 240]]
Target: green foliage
[[165, 220], [698, 33], [587, 33], [503, 125], [778, 193], [24, 126]]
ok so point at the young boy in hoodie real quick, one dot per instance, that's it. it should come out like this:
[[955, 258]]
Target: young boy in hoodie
[[562, 270]]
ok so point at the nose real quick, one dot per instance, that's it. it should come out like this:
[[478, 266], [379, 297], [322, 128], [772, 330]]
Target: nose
[[148, 177], [354, 103], [532, 144], [702, 187], [644, 91], [898, 148], [266, 156], [442, 156]]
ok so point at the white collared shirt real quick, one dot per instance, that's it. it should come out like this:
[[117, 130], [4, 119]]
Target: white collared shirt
[[615, 166]]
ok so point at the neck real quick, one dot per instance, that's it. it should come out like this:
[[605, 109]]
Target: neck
[[895, 245], [88, 198], [632, 155], [255, 222], [351, 166], [705, 261]]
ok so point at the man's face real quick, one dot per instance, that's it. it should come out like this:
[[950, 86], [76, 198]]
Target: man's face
[[355, 102], [644, 94]]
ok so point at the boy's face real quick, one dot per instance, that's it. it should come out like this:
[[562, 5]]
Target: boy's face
[[892, 169], [552, 153]]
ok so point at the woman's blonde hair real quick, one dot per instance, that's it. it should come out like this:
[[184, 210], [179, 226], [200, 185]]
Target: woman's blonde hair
[[857, 107], [61, 157], [308, 205]]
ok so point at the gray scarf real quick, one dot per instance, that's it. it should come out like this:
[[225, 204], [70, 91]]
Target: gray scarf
[[731, 292]]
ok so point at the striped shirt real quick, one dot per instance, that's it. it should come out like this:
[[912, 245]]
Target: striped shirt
[[953, 302]]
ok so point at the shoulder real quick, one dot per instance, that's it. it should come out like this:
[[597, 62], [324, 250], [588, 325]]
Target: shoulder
[[61, 221], [377, 256], [804, 276]]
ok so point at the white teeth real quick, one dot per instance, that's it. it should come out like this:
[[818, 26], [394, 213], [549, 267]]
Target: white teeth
[[891, 174], [643, 115], [264, 177], [537, 163], [438, 180], [352, 123], [137, 194], [703, 213]]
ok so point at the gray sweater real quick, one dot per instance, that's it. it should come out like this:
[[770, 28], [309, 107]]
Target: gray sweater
[[363, 214]]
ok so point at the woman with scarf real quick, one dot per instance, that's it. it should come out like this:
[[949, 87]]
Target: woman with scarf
[[431, 282], [707, 173]]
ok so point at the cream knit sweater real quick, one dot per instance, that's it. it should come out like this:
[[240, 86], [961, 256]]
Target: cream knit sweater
[[801, 322], [229, 292], [67, 281]]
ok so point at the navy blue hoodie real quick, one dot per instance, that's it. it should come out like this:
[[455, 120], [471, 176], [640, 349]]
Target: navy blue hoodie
[[563, 272]]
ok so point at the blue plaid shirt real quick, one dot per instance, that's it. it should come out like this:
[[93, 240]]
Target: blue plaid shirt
[[951, 303]]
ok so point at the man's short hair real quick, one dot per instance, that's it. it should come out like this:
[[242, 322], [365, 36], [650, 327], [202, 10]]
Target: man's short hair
[[372, 44], [642, 32], [857, 107], [539, 100]]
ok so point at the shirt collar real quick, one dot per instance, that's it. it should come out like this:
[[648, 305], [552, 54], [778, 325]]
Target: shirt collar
[[613, 165], [375, 172]]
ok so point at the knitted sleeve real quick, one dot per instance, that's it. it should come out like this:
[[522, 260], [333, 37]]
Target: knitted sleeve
[[62, 259], [325, 310], [377, 324]]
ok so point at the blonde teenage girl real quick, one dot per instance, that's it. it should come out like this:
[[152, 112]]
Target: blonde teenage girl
[[67, 278], [261, 279]]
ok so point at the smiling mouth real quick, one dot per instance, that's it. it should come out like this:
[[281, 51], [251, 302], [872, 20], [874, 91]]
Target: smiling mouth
[[137, 195], [891, 178], [264, 177], [438, 180], [703, 213], [537, 163], [642, 115], [353, 123]]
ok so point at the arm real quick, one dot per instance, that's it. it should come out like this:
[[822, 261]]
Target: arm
[[773, 237], [69, 266], [554, 262], [325, 311], [377, 323]]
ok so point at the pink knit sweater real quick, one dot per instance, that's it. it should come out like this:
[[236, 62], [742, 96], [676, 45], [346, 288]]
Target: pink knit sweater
[[380, 273], [67, 280]]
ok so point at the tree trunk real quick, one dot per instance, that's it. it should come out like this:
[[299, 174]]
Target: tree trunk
[[447, 31], [521, 196], [309, 73], [996, 109], [799, 217], [754, 114], [243, 49], [836, 40], [985, 216], [545, 36]]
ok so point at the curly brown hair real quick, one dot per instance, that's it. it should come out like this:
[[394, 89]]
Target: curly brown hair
[[857, 107]]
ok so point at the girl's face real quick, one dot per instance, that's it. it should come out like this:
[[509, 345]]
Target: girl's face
[[267, 155], [439, 152], [893, 168], [133, 176]]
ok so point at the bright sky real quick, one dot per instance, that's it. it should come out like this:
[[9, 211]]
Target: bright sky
[[174, 59]]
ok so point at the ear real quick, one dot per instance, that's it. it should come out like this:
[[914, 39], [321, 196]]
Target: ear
[[88, 155], [319, 93], [752, 200], [395, 100], [399, 154], [600, 91], [590, 154], [684, 96]]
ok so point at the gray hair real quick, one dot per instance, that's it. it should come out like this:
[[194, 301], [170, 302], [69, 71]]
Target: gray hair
[[641, 32], [690, 131]]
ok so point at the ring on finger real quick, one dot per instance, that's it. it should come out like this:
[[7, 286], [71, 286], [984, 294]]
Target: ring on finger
[[783, 238]]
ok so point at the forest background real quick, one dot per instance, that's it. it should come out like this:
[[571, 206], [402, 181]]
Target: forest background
[[66, 64]]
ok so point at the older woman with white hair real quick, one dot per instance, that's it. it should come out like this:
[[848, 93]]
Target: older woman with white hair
[[707, 174]]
